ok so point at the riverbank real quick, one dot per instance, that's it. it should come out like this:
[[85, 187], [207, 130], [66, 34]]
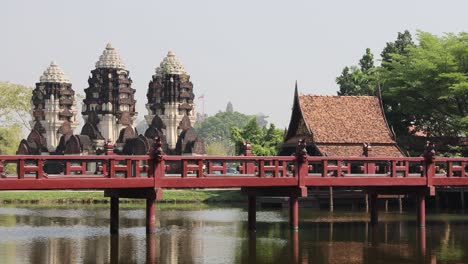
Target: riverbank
[[97, 197]]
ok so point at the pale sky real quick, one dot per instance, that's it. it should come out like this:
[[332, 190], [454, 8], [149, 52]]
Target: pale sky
[[246, 52]]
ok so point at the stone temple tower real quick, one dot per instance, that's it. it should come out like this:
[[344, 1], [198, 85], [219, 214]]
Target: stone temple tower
[[170, 97], [109, 97], [53, 103]]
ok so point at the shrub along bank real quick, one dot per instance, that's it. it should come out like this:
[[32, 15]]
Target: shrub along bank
[[97, 197]]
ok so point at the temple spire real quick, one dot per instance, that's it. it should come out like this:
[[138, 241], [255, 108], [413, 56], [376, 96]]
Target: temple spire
[[110, 59]]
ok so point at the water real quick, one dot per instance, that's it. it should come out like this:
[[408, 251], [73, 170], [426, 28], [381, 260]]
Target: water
[[219, 235]]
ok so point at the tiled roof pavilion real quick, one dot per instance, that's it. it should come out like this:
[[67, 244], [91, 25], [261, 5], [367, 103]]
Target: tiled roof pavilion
[[339, 126]]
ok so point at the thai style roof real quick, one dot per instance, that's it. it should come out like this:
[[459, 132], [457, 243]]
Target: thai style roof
[[170, 65], [53, 74], [110, 59], [340, 125], [345, 119]]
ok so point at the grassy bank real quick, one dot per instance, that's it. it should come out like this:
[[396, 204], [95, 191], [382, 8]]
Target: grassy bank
[[97, 197]]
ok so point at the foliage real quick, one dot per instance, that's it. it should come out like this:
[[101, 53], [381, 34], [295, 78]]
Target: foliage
[[423, 85], [358, 81], [96, 197], [264, 141], [9, 139], [15, 103], [367, 61], [222, 147], [428, 87], [399, 46], [218, 127]]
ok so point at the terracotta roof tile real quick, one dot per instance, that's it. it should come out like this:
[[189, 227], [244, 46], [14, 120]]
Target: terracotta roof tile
[[345, 150], [345, 119]]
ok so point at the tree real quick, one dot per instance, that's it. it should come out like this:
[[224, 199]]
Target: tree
[[264, 141], [359, 81], [399, 46], [218, 127], [15, 102], [423, 85], [428, 86], [367, 61]]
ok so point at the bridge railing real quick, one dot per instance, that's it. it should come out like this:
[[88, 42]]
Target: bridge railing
[[234, 166], [74, 166], [221, 171], [365, 167]]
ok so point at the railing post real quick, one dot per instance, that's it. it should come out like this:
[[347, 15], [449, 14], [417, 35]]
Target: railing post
[[302, 166], [248, 165], [366, 151], [429, 164], [109, 152], [157, 155]]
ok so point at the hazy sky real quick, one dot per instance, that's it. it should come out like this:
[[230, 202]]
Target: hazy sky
[[246, 52]]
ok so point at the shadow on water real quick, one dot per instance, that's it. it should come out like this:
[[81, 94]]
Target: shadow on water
[[220, 235]]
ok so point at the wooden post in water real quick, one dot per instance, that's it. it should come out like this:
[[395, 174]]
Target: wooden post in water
[[330, 190], [151, 249], [367, 202], [150, 216], [462, 198], [114, 249], [294, 212], [294, 247], [114, 215], [400, 204], [421, 205], [374, 214], [252, 213]]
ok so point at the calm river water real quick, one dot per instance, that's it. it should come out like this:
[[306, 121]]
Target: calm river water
[[219, 235]]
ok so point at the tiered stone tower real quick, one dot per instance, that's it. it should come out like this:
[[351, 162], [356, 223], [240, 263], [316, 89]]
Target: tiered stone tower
[[170, 96], [53, 103], [109, 97]]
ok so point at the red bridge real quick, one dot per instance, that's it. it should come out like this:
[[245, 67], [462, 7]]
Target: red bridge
[[146, 176]]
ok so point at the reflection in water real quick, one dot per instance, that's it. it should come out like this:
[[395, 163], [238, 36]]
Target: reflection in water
[[81, 235]]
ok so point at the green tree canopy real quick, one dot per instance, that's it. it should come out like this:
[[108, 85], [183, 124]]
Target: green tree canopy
[[428, 86], [216, 131], [264, 141], [15, 102], [424, 85]]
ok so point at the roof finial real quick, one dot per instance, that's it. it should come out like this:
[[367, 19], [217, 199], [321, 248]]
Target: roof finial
[[296, 92], [109, 46]]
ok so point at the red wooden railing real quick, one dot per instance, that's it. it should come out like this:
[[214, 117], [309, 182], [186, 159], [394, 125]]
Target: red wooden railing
[[161, 171], [236, 171]]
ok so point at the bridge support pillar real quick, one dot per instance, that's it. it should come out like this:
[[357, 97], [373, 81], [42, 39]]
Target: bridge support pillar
[[294, 212], [252, 212], [374, 214], [114, 215], [150, 216], [421, 205]]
